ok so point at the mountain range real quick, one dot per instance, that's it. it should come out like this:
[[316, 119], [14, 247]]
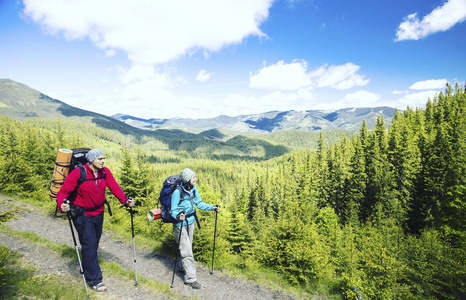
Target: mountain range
[[310, 120], [21, 102], [255, 136]]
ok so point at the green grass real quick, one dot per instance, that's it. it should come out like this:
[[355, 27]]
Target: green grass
[[24, 282], [22, 278], [236, 267], [117, 271]]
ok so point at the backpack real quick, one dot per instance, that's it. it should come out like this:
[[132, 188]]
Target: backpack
[[67, 161], [170, 184], [78, 159]]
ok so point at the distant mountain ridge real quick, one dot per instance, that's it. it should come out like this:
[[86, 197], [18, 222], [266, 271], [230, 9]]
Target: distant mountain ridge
[[247, 137], [310, 120], [21, 102]]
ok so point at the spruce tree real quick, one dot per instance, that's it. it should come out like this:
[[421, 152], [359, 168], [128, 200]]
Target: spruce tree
[[357, 182]]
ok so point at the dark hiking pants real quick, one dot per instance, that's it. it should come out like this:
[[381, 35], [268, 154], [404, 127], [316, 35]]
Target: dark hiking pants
[[89, 232]]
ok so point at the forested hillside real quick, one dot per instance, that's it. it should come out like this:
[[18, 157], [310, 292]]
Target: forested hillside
[[379, 214], [21, 102]]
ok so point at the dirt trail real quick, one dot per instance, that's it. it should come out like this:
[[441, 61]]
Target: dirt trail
[[149, 265]]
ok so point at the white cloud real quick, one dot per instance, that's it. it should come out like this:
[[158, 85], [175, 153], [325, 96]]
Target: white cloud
[[339, 77], [110, 53], [203, 76], [441, 18], [152, 34], [305, 94], [427, 89], [145, 92], [362, 99], [357, 99], [430, 84], [399, 92], [236, 104], [152, 31], [290, 77], [162, 103], [281, 76], [148, 74], [416, 99]]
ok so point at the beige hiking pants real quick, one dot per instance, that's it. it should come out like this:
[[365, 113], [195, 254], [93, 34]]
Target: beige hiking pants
[[186, 251]]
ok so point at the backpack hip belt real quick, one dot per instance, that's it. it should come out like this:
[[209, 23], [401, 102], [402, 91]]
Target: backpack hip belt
[[77, 210]]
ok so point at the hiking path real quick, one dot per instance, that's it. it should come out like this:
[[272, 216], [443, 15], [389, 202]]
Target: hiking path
[[149, 265]]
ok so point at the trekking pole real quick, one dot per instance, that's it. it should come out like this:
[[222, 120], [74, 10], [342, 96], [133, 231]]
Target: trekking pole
[[134, 247], [176, 259], [358, 294], [76, 247], [215, 235]]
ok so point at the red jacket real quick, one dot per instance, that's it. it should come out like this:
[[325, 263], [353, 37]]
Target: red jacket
[[91, 193]]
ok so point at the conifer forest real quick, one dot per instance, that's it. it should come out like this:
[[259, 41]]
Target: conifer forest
[[379, 215]]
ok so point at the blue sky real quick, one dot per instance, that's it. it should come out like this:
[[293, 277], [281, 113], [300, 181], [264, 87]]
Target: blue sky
[[205, 58]]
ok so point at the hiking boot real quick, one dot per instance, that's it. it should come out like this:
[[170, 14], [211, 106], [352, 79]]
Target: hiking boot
[[100, 287], [194, 285]]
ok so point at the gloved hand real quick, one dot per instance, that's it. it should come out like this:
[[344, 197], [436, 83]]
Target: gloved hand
[[181, 216], [129, 202], [65, 206]]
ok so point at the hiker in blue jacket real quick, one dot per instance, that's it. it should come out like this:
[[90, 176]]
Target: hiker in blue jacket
[[182, 208]]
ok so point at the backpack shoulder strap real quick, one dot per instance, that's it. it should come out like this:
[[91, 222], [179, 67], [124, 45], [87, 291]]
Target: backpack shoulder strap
[[180, 189], [82, 178], [191, 199]]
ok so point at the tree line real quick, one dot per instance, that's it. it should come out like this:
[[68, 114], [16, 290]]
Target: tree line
[[377, 214]]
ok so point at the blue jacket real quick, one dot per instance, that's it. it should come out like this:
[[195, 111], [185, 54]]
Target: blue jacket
[[186, 205]]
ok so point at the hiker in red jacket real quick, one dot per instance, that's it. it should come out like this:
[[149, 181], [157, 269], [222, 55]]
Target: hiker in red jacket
[[87, 210]]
